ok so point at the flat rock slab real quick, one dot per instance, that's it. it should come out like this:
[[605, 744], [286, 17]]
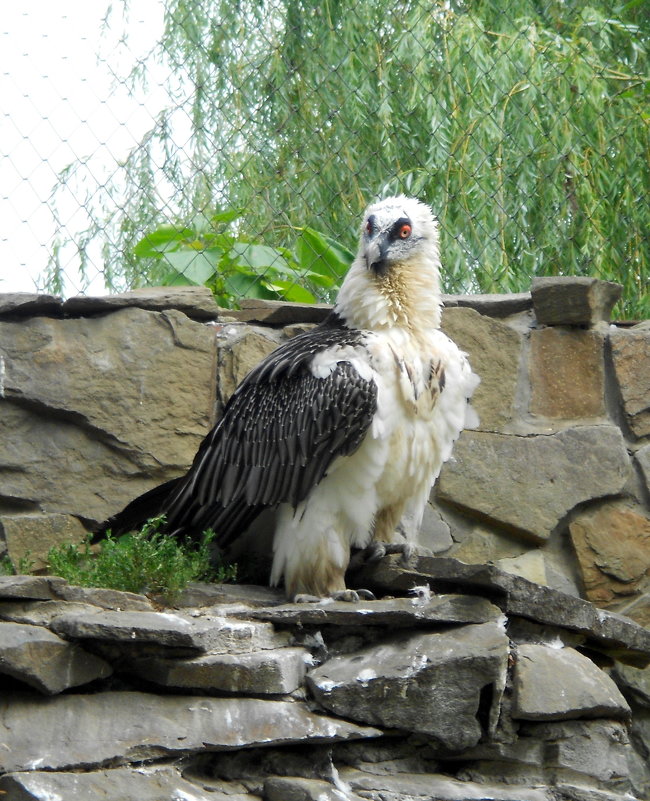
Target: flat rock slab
[[425, 683], [197, 302], [278, 312], [606, 631], [279, 788], [169, 630], [397, 612], [491, 305], [120, 784], [562, 684], [271, 672], [40, 588], [428, 787], [44, 661], [29, 304], [70, 731]]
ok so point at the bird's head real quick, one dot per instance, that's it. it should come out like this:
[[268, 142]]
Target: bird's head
[[396, 230], [395, 279]]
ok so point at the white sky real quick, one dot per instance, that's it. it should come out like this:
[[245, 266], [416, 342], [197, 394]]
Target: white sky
[[59, 102]]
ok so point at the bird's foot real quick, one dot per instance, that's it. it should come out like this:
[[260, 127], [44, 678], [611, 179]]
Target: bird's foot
[[351, 596], [377, 550]]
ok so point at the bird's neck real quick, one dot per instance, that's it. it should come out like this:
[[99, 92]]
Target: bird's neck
[[407, 297]]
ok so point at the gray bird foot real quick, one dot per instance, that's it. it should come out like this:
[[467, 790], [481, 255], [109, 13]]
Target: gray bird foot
[[351, 596], [377, 550]]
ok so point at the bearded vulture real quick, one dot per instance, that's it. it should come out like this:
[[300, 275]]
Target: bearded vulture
[[343, 429]]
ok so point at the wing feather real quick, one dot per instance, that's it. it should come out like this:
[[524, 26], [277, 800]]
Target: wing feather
[[280, 432]]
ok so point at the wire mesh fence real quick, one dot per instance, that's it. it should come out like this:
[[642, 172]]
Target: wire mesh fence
[[263, 127]]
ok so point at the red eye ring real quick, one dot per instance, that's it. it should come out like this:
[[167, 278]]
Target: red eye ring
[[368, 227], [405, 231]]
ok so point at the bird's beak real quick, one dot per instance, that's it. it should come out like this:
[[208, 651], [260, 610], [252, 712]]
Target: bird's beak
[[375, 253]]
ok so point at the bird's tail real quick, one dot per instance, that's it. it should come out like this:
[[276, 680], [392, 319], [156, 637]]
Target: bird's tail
[[136, 513]]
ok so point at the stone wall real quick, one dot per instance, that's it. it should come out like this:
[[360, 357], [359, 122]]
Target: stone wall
[[102, 398]]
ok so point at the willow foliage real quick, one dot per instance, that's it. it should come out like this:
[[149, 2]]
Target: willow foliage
[[525, 124]]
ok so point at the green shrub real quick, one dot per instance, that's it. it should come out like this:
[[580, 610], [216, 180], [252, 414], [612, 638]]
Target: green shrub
[[146, 561]]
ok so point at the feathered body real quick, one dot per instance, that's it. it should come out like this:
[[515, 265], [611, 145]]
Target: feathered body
[[345, 428]]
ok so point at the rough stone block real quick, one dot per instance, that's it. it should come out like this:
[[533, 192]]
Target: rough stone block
[[528, 484], [593, 748], [65, 731], [573, 300], [611, 633], [68, 440], [29, 304], [31, 536], [197, 302], [38, 588], [294, 789], [561, 684], [494, 351], [270, 672], [612, 545], [631, 357], [44, 661], [396, 612], [144, 783], [567, 373], [170, 630], [426, 683], [637, 610], [428, 786], [642, 458]]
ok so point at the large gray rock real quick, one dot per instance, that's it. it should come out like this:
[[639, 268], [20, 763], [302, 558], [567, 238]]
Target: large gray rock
[[396, 612], [44, 661], [29, 304], [561, 684], [428, 786], [594, 748], [528, 484], [90, 730], [144, 783], [573, 300], [604, 631], [426, 683], [298, 789], [169, 630], [491, 305], [197, 302], [86, 422], [40, 588], [270, 672]]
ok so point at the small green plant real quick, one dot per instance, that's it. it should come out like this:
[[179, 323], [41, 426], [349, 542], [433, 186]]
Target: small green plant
[[6, 567], [145, 561], [25, 565]]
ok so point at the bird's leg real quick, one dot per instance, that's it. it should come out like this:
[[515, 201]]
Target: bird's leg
[[387, 522]]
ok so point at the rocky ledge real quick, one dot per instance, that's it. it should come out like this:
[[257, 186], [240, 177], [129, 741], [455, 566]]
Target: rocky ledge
[[472, 683]]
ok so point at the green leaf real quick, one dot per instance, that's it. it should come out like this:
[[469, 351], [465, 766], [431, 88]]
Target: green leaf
[[321, 254], [164, 238], [258, 258], [195, 267], [291, 291]]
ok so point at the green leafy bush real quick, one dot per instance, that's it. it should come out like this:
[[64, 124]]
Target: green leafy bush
[[235, 267], [146, 561]]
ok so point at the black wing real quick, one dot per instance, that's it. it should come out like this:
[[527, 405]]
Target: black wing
[[279, 433]]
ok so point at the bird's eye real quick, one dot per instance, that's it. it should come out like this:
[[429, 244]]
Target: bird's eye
[[369, 227], [404, 231]]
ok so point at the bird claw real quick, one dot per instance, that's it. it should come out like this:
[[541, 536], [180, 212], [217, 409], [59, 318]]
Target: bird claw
[[350, 596], [377, 550]]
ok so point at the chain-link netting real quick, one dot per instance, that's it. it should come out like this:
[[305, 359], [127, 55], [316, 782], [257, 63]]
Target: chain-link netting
[[238, 142]]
